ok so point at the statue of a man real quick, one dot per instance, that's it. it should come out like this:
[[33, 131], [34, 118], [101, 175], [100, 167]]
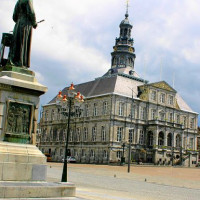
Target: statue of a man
[[24, 17]]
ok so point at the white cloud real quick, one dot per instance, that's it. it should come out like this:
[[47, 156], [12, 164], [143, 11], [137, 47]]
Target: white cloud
[[191, 53]]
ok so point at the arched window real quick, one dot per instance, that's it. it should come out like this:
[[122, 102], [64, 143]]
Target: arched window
[[122, 60], [161, 139], [130, 61], [169, 139], [121, 32], [129, 32], [150, 139], [178, 140], [114, 61], [125, 32]]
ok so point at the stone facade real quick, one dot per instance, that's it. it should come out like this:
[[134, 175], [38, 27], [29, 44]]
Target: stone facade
[[105, 124], [120, 107]]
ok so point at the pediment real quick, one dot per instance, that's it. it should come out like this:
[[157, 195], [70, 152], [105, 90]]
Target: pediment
[[163, 85]]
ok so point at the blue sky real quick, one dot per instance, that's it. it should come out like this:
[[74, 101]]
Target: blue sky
[[76, 39]]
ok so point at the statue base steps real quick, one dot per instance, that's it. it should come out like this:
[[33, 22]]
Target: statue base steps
[[23, 168], [36, 190]]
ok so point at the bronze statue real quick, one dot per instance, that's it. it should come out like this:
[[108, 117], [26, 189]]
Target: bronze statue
[[24, 17]]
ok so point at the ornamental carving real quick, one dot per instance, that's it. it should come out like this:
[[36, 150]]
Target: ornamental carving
[[130, 49], [115, 48], [164, 86], [144, 93], [19, 118]]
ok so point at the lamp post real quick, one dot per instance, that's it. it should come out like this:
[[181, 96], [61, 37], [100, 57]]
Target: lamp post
[[181, 155], [129, 146], [123, 158], [66, 102], [172, 156]]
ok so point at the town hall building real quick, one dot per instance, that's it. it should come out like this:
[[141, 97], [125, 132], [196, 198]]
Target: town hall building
[[120, 108]]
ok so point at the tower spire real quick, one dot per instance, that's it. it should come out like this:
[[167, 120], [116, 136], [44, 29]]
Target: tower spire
[[127, 5]]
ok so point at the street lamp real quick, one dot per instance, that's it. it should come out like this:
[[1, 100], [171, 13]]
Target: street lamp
[[129, 148], [66, 102], [172, 156], [123, 158]]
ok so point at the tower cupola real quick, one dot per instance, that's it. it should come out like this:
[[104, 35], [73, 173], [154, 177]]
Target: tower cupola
[[123, 55]]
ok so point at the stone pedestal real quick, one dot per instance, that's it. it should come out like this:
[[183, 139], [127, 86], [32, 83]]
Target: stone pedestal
[[19, 104], [23, 168], [21, 162]]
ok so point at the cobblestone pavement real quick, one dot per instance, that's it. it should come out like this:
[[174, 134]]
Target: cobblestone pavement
[[98, 182]]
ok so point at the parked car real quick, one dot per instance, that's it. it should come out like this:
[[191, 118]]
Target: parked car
[[70, 159]]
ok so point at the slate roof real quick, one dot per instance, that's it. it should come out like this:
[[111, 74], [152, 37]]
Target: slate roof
[[116, 84], [182, 104], [107, 85]]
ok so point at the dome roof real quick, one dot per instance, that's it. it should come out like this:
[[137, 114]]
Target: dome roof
[[125, 21]]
